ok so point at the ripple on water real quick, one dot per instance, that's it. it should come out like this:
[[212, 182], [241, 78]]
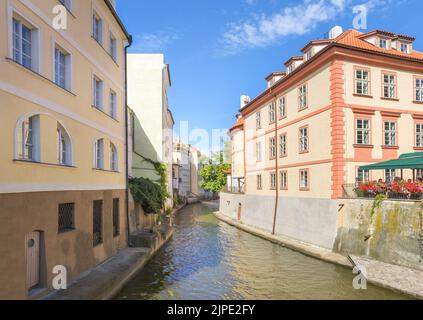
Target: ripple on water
[[208, 259]]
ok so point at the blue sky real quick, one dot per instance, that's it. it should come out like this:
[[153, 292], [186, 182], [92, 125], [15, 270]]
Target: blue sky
[[220, 49]]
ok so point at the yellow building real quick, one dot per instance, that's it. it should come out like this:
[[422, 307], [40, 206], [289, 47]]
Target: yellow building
[[62, 177]]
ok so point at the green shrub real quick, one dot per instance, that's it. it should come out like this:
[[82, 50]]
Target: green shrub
[[150, 195]]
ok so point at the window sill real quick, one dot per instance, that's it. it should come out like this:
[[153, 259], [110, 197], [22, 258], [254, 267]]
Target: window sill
[[39, 75], [105, 170], [282, 118], [304, 152], [418, 148], [105, 113], [304, 189], [283, 156], [367, 146], [389, 99], [362, 95], [284, 189], [390, 147], [418, 102], [301, 109], [43, 163], [66, 231]]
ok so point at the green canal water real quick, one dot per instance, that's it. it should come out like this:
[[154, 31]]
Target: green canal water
[[208, 259]]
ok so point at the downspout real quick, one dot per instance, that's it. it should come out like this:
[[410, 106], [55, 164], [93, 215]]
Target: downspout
[[128, 232], [276, 163]]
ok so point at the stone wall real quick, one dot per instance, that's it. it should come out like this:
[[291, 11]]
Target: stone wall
[[394, 234]]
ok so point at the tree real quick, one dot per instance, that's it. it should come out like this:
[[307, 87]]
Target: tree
[[213, 173]]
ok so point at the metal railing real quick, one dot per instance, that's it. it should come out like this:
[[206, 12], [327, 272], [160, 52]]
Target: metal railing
[[389, 190]]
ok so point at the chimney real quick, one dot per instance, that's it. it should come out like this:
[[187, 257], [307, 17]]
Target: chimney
[[335, 32], [244, 101]]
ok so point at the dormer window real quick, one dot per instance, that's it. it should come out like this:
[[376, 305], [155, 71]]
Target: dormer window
[[308, 55], [383, 43], [404, 47], [290, 68]]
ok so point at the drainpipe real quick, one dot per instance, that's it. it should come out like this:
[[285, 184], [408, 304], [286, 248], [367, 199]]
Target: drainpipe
[[127, 142], [276, 163]]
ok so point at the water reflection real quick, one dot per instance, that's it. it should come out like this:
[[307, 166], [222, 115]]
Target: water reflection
[[208, 259]]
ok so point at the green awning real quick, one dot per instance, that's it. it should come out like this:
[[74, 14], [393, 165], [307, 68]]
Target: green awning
[[405, 161]]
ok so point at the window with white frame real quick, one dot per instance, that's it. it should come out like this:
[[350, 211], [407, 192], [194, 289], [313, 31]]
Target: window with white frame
[[362, 82], [282, 107], [25, 43], [363, 176], [97, 93], [63, 147], [28, 139], [383, 43], [390, 133], [419, 89], [302, 97], [290, 68], [389, 86], [113, 104], [259, 182], [390, 175], [363, 131], [272, 148], [99, 154], [97, 28], [258, 151], [304, 180], [113, 158], [309, 54], [284, 180], [419, 135], [282, 145], [303, 139], [272, 116], [404, 47], [273, 181], [62, 68], [113, 47], [258, 120]]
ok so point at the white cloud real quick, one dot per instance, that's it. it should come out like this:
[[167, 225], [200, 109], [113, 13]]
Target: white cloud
[[154, 42], [263, 30]]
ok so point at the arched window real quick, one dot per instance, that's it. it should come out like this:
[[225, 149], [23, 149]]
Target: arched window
[[113, 158], [28, 133], [64, 149], [99, 154]]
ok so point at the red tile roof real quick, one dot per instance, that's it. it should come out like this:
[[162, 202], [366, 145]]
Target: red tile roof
[[238, 124]]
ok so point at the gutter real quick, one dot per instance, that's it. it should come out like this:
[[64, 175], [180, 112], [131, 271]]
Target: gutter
[[127, 141], [276, 164]]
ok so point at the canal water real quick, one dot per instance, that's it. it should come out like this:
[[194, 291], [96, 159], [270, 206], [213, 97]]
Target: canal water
[[208, 259]]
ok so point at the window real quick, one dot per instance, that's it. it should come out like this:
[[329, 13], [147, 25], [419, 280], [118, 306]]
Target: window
[[308, 55], [290, 68], [66, 217], [284, 180], [97, 222], [302, 97], [67, 4], [97, 29], [282, 107], [113, 105], [113, 47], [404, 47], [390, 175], [363, 176], [99, 154], [390, 133], [272, 116], [24, 44], [282, 145], [272, 148], [419, 135], [273, 181], [419, 173], [383, 43], [304, 139], [362, 82], [258, 151], [258, 120], [304, 179], [97, 93], [63, 147], [363, 131], [62, 68], [259, 185], [116, 224], [389, 86], [113, 158], [419, 89], [28, 139]]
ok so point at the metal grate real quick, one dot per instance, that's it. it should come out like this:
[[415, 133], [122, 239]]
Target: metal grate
[[66, 217], [97, 222], [116, 225]]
